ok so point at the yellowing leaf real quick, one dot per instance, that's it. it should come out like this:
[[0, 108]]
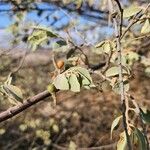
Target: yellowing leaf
[[61, 82], [131, 11], [122, 143], [115, 123], [74, 83], [146, 27], [72, 146], [107, 47], [49, 31], [78, 3]]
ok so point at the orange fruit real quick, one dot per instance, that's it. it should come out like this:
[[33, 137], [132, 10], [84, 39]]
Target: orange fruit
[[60, 64]]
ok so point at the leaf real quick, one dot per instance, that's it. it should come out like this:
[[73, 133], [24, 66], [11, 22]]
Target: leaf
[[100, 44], [72, 146], [61, 43], [14, 92], [146, 27], [84, 72], [147, 71], [115, 123], [145, 116], [116, 87], [122, 143], [113, 71], [49, 32], [78, 3], [104, 47], [132, 56], [107, 47], [74, 83], [141, 139], [61, 82], [85, 82], [131, 11]]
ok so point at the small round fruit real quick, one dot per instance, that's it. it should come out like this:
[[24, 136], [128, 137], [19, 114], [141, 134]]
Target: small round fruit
[[60, 64], [51, 88]]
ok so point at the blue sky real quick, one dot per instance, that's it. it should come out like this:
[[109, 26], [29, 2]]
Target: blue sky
[[63, 19]]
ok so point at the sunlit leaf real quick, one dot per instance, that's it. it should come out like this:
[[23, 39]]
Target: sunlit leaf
[[113, 71], [61, 82], [49, 31], [78, 3], [74, 83], [14, 92], [100, 44], [131, 11], [72, 146], [132, 56], [146, 27], [115, 123], [107, 47], [147, 71], [116, 87], [84, 72], [122, 143]]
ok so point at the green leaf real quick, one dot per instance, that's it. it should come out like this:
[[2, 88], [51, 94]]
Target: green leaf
[[107, 47], [141, 139], [49, 32], [72, 146], [116, 87], [100, 44], [145, 116], [61, 82], [13, 92], [122, 143], [115, 123], [113, 71], [147, 71], [85, 82], [78, 3], [61, 43], [84, 72], [132, 56], [74, 83], [146, 27], [131, 11], [104, 47]]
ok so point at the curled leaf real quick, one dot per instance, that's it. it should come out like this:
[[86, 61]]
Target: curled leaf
[[115, 123], [13, 92]]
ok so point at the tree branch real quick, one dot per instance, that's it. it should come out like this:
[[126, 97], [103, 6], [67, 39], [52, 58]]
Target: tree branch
[[124, 101], [13, 111]]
